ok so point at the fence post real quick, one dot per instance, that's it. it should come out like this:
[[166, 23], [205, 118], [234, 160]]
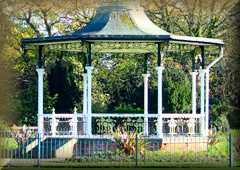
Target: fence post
[[136, 150], [39, 149], [230, 150]]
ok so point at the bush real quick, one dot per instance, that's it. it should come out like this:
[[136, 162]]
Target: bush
[[8, 143], [127, 108], [236, 142], [177, 87], [217, 151], [126, 141], [218, 145]]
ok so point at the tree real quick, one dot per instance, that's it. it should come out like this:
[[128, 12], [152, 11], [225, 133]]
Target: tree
[[232, 73], [35, 19], [177, 87]]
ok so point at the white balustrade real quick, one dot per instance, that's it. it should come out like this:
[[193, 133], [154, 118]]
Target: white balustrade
[[172, 126], [191, 123], [55, 121], [71, 120], [54, 124], [75, 122]]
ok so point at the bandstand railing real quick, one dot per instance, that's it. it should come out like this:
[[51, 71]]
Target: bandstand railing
[[72, 124]]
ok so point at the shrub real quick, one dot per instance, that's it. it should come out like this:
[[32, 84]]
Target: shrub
[[218, 145], [8, 143], [126, 141], [236, 142], [177, 88], [127, 108], [217, 151]]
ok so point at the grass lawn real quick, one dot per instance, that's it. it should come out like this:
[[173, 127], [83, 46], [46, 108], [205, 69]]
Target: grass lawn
[[36, 168]]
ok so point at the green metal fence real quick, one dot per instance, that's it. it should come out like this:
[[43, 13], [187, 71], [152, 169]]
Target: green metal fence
[[129, 151]]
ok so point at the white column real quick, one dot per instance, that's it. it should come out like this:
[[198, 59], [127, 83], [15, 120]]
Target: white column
[[40, 72], [75, 121], [89, 100], [192, 121], [194, 92], [54, 126], [207, 102], [85, 103], [221, 55], [146, 76], [160, 86], [202, 80]]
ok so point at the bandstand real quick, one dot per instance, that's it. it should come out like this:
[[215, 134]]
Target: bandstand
[[123, 24]]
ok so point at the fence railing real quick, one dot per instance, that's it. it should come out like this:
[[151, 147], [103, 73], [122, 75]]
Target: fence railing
[[69, 125], [131, 150]]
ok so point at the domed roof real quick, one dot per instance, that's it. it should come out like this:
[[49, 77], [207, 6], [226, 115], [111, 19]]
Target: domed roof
[[120, 21]]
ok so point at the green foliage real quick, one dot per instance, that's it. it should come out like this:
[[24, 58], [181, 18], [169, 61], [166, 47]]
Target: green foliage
[[109, 155], [218, 145], [3, 126], [178, 88], [127, 108], [235, 133], [26, 102], [62, 81], [8, 143], [126, 141], [217, 151], [218, 115], [121, 79]]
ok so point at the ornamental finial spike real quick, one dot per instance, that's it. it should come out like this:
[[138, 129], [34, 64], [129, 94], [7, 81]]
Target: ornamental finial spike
[[75, 110], [53, 110]]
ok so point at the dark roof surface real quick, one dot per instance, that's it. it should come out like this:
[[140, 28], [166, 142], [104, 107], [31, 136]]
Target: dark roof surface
[[119, 22]]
